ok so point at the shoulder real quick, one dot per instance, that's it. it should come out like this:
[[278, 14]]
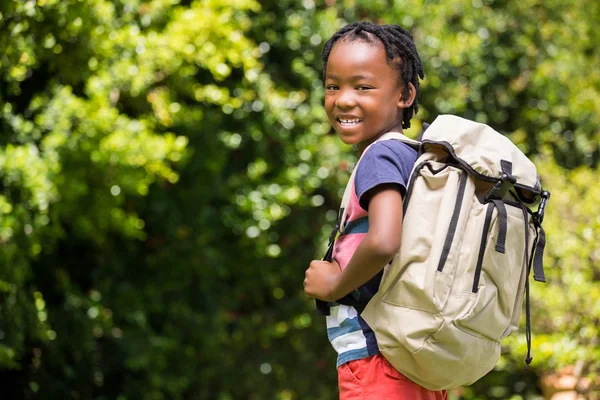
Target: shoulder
[[397, 147], [390, 152], [385, 162]]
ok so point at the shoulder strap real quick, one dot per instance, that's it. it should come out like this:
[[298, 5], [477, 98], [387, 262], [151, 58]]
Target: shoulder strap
[[347, 192], [415, 144]]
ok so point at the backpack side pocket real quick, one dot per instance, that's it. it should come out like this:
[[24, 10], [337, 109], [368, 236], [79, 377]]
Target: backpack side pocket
[[493, 278]]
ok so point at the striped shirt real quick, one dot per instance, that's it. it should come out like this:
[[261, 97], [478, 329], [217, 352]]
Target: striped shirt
[[384, 162]]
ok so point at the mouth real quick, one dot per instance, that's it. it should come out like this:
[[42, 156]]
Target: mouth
[[348, 121]]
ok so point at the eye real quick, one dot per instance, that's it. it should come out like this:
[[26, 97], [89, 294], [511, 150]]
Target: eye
[[331, 87], [363, 88]]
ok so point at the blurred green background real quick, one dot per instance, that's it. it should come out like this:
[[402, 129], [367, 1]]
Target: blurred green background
[[167, 173]]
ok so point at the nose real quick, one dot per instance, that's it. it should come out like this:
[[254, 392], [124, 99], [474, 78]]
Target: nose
[[345, 99]]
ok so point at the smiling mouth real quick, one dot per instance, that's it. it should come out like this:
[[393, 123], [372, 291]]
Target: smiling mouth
[[349, 121]]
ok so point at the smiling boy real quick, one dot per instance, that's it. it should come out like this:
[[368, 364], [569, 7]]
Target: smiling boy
[[371, 75]]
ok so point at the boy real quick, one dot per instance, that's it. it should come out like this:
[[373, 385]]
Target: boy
[[371, 75]]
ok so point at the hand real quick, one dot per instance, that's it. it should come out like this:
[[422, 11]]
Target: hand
[[321, 280]]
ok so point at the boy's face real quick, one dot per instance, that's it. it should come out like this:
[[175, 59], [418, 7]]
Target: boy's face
[[363, 96]]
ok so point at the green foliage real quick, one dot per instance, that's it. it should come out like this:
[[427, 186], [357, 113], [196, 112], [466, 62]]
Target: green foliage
[[168, 173]]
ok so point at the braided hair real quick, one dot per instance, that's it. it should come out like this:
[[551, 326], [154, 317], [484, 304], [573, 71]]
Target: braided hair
[[400, 50]]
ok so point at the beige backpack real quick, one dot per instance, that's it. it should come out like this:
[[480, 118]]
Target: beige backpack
[[469, 240]]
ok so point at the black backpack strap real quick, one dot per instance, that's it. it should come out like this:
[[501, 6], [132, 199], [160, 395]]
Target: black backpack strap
[[502, 226], [538, 258], [322, 307], [534, 261], [423, 129]]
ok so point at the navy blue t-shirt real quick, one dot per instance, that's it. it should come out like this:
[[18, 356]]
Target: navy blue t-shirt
[[387, 161]]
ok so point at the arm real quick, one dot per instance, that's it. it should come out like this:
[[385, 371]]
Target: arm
[[325, 281]]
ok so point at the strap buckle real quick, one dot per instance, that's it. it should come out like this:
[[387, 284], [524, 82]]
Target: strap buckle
[[501, 187], [545, 195]]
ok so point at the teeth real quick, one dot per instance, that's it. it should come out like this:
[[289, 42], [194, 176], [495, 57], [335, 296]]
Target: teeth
[[350, 121]]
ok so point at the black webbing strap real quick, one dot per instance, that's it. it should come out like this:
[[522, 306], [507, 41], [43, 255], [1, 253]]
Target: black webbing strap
[[538, 258], [528, 359], [484, 235], [423, 129], [503, 226], [454, 221], [527, 260], [322, 307], [506, 167], [537, 261], [411, 183], [534, 261]]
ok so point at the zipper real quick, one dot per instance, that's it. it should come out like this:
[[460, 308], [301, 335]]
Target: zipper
[[453, 221]]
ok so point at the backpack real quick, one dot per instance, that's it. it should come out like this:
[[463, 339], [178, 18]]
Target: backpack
[[455, 288]]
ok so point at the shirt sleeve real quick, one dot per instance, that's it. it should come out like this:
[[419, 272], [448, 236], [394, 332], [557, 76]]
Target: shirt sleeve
[[385, 162]]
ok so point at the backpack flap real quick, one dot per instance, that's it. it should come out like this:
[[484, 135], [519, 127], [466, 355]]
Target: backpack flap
[[487, 154]]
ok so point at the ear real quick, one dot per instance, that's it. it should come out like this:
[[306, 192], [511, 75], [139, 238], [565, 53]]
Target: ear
[[407, 101]]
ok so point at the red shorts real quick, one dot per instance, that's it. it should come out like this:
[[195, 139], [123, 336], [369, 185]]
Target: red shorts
[[374, 378]]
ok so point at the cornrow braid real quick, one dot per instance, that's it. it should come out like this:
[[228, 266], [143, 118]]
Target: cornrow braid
[[398, 44]]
